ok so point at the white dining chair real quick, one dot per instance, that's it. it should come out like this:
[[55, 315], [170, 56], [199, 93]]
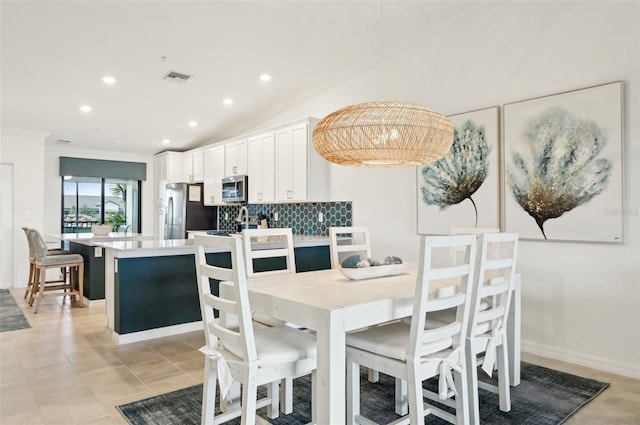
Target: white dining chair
[[260, 245], [345, 241], [412, 352], [253, 357], [487, 332]]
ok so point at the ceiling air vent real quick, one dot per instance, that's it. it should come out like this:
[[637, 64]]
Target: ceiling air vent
[[176, 77]]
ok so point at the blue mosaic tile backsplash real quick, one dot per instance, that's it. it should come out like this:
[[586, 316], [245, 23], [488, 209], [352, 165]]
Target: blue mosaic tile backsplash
[[301, 217]]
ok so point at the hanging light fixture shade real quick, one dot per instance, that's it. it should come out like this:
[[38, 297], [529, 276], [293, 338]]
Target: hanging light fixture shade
[[383, 134]]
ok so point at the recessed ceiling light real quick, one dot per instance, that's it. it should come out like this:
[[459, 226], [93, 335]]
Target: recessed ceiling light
[[108, 79], [166, 141], [227, 101], [265, 77], [193, 124], [85, 108]]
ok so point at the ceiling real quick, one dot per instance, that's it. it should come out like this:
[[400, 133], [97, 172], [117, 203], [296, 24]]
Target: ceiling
[[54, 54]]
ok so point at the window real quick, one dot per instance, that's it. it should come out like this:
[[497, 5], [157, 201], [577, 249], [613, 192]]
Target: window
[[90, 200]]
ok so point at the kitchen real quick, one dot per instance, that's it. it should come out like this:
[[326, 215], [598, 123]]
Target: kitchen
[[553, 323]]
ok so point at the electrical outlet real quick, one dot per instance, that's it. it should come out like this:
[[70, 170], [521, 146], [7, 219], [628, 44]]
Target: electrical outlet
[[320, 217], [275, 216]]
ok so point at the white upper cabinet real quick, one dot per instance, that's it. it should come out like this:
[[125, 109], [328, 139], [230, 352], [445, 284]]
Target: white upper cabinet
[[235, 158], [301, 174], [193, 166], [167, 169], [170, 164], [261, 167], [213, 174]]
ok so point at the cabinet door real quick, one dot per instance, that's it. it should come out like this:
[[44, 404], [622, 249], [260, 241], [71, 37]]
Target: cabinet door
[[187, 167], [261, 168], [174, 167], [213, 172], [198, 166], [291, 163], [236, 158]]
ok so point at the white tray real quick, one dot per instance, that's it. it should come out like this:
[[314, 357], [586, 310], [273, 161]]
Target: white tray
[[373, 271]]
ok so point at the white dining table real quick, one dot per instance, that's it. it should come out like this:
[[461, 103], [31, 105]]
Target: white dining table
[[333, 305]]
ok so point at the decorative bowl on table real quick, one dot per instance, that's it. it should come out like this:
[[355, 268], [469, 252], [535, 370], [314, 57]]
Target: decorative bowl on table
[[355, 267], [101, 229]]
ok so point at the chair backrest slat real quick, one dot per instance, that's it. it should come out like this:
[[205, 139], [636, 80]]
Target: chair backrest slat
[[275, 235], [358, 243], [495, 272], [442, 335], [238, 339]]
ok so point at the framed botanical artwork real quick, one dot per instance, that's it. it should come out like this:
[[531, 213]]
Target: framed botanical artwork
[[461, 189], [563, 166]]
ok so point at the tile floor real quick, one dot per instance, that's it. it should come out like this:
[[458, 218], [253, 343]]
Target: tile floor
[[65, 370]]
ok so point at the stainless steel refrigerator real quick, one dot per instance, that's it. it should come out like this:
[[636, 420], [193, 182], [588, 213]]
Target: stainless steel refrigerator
[[186, 211]]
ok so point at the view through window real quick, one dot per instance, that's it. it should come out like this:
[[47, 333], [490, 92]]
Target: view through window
[[90, 200]]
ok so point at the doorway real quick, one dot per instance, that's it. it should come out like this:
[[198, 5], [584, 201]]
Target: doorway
[[6, 226]]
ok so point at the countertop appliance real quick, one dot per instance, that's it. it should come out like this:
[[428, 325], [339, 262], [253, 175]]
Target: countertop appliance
[[235, 188], [186, 211]]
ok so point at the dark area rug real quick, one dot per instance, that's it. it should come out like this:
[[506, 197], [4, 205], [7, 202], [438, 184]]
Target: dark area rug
[[544, 396], [11, 317]]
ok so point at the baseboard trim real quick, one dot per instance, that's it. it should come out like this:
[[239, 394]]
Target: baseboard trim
[[156, 333], [94, 303], [595, 362]]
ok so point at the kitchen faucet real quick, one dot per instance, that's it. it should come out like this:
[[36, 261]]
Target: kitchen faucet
[[239, 218]]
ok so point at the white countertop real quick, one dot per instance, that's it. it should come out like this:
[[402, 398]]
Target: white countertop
[[186, 246], [91, 239]]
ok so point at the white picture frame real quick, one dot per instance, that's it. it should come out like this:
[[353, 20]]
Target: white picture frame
[[563, 168], [482, 208]]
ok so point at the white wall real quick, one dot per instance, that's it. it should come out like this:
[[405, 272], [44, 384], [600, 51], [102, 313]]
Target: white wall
[[52, 194], [25, 150], [581, 301]]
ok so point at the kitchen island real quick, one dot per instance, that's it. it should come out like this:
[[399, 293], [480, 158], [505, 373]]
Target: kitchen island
[[87, 245], [151, 286]]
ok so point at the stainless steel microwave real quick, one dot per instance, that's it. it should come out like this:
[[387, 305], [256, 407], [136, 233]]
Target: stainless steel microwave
[[235, 189]]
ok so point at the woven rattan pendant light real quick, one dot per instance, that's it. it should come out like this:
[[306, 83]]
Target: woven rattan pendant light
[[383, 134]]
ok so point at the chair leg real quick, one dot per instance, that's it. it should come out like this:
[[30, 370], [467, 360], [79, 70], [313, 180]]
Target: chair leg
[[402, 406], [43, 278], [209, 392], [462, 399], [249, 399], [30, 281], [472, 383], [416, 403], [374, 375], [34, 286], [503, 377], [81, 284], [273, 391], [353, 392], [286, 396]]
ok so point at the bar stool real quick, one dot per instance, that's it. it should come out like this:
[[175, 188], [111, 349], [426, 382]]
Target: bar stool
[[72, 281], [32, 263]]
